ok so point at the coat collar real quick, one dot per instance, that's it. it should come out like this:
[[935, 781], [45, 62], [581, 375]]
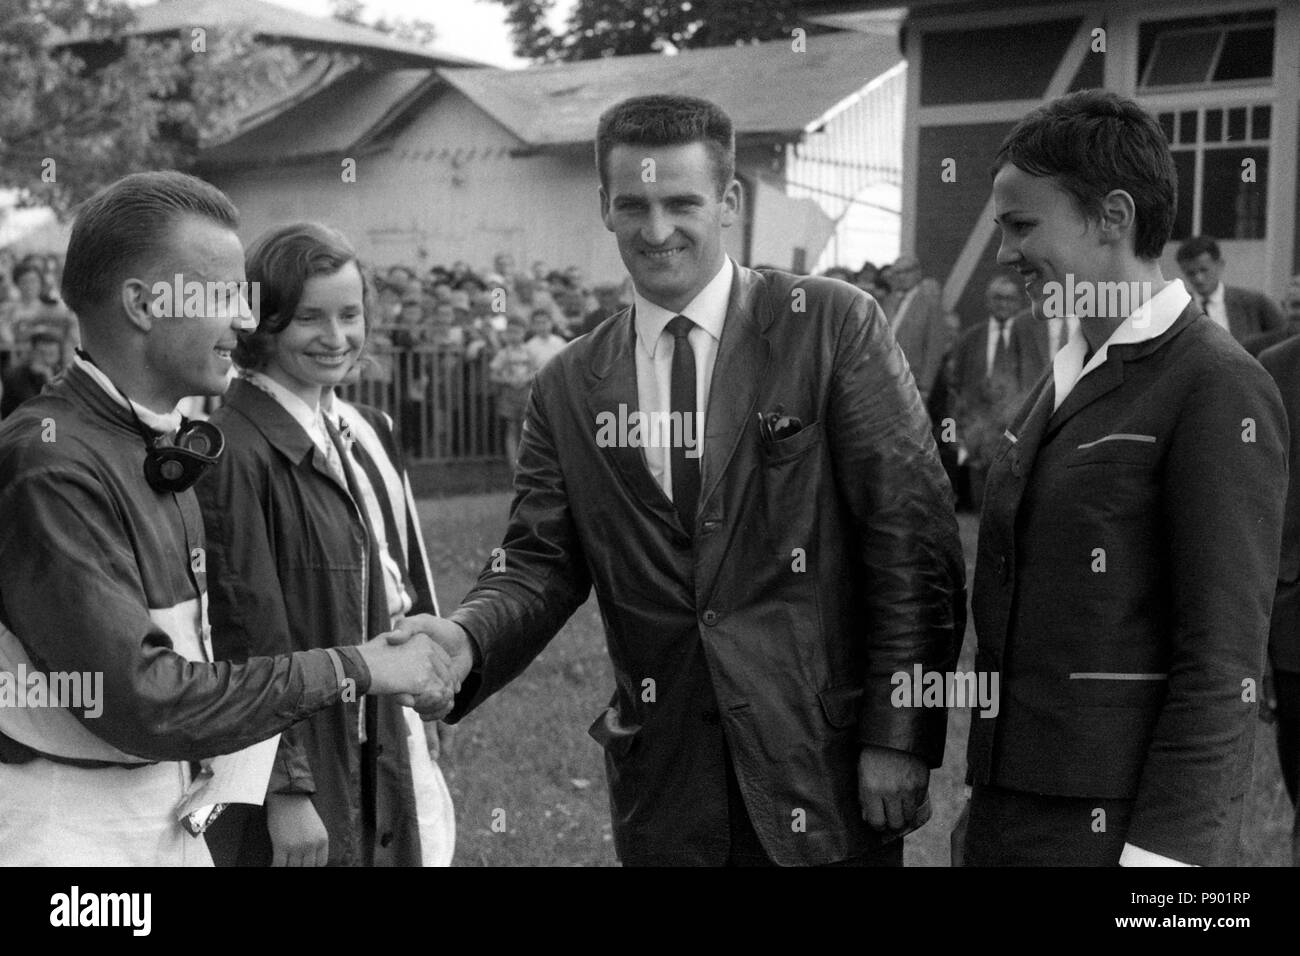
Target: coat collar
[[741, 364], [86, 392], [1108, 376], [277, 426]]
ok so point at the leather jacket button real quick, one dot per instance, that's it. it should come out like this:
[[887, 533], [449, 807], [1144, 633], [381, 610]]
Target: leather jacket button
[[385, 840], [1017, 469], [710, 617], [1003, 574]]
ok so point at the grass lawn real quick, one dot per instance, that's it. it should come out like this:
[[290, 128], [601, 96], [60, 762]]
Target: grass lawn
[[524, 757]]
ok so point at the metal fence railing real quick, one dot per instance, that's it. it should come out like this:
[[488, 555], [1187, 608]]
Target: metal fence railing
[[443, 405]]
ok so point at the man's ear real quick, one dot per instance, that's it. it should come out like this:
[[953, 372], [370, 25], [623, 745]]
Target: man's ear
[[141, 304], [604, 209], [731, 203], [1118, 216]]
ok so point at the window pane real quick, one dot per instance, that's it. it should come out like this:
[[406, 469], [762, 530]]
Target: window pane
[[1185, 164], [1183, 58], [1247, 54], [1236, 124], [1260, 122], [1230, 207], [1167, 124], [1187, 127], [1214, 126]]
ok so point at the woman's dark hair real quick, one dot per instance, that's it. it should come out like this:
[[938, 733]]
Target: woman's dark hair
[[280, 261], [1093, 142], [668, 120]]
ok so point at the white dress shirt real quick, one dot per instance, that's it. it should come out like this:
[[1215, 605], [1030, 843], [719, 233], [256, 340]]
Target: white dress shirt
[[1152, 319], [654, 360], [1055, 340]]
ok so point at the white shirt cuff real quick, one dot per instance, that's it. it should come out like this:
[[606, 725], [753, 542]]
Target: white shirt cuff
[[1136, 856]]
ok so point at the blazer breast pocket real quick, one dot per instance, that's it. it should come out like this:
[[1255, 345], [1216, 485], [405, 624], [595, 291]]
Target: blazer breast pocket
[[797, 445], [1117, 448]]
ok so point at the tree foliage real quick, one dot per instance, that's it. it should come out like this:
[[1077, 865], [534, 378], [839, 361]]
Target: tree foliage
[[597, 28], [72, 122]]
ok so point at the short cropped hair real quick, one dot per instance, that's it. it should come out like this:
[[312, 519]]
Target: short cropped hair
[[663, 120], [280, 261], [127, 224], [1196, 246], [1095, 141]]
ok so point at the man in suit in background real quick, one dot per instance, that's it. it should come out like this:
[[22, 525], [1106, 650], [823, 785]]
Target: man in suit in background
[[763, 576], [1283, 363], [989, 373], [1290, 312], [923, 328], [1250, 316]]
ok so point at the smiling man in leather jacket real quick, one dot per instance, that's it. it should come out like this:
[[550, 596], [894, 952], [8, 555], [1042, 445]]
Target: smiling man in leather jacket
[[742, 466]]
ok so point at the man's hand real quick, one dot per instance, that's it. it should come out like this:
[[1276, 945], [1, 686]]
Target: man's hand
[[298, 837], [438, 737], [413, 667], [892, 787], [449, 635]]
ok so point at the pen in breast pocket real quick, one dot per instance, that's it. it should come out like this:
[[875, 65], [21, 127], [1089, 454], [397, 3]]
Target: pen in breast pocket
[[1007, 434]]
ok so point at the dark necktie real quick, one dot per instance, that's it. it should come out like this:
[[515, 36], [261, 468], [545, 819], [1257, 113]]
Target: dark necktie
[[685, 471], [1001, 355]]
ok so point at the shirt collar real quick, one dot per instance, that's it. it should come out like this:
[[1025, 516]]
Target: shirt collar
[[1216, 296], [308, 418], [1150, 320], [708, 310], [166, 424]]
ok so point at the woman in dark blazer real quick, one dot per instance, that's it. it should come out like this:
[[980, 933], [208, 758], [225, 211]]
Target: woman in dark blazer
[[294, 562], [1129, 538]]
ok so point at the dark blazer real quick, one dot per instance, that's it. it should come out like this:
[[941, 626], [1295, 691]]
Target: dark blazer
[[1169, 463], [292, 565], [926, 332], [822, 565], [1252, 317], [1283, 363]]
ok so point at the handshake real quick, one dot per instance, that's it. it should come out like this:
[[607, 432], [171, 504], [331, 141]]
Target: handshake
[[423, 661]]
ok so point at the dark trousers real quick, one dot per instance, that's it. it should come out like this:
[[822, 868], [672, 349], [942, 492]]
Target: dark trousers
[[1014, 828]]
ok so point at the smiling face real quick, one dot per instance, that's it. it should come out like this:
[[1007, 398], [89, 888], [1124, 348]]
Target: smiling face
[[190, 354], [669, 231], [318, 348], [1045, 236]]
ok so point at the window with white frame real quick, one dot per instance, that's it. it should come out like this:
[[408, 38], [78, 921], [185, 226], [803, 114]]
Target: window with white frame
[[1221, 154], [1232, 48]]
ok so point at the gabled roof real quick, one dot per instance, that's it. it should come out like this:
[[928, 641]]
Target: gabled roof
[[274, 23], [337, 119], [766, 88]]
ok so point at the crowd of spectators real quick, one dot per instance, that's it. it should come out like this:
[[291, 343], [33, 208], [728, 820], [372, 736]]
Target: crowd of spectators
[[454, 349]]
